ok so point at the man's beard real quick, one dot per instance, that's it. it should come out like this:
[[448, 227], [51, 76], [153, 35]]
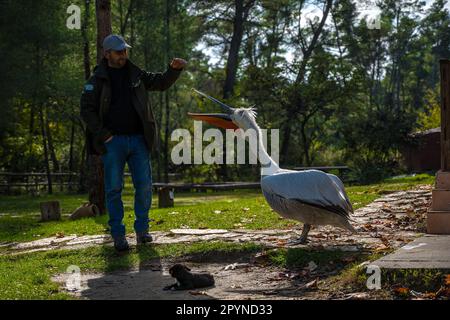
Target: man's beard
[[121, 62]]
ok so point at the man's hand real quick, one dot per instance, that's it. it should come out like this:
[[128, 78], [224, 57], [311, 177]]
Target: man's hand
[[178, 63]]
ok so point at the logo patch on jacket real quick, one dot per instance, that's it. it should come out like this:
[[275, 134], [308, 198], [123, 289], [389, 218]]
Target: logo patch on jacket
[[88, 87]]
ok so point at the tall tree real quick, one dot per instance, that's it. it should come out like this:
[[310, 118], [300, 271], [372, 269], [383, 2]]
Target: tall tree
[[96, 175], [295, 104], [241, 12]]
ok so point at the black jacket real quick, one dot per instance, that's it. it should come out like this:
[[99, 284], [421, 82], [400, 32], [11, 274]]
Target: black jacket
[[96, 97]]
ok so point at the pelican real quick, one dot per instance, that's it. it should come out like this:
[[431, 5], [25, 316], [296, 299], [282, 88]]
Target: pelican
[[312, 197]]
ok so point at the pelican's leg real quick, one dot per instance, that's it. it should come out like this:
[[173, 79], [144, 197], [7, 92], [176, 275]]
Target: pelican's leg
[[303, 236]]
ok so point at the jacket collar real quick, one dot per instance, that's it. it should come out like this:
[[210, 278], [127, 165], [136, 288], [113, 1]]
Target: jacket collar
[[101, 70]]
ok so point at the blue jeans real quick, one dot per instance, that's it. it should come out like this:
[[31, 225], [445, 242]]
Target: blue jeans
[[129, 149]]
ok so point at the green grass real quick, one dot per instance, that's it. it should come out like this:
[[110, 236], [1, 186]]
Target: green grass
[[28, 276], [300, 257], [19, 215]]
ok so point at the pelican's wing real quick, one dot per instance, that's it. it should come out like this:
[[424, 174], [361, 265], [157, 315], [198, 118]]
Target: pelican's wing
[[341, 186], [312, 187]]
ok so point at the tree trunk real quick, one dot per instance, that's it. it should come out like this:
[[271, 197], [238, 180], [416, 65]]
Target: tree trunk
[[166, 93], [96, 174], [31, 131], [158, 154], [51, 147], [132, 29], [85, 26], [103, 12], [82, 185], [124, 21], [286, 137], [44, 144], [72, 141], [307, 51], [305, 143], [240, 16]]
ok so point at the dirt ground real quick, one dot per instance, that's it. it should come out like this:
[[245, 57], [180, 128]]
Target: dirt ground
[[248, 279]]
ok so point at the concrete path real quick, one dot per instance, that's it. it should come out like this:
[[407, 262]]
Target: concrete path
[[427, 252]]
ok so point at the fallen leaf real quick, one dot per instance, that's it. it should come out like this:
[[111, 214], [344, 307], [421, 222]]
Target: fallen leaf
[[348, 259], [230, 267], [447, 280], [312, 284], [270, 293], [358, 296], [401, 291], [198, 293], [217, 211], [385, 241], [382, 247], [246, 209], [429, 295], [59, 235]]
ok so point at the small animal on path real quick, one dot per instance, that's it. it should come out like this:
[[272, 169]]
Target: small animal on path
[[187, 280]]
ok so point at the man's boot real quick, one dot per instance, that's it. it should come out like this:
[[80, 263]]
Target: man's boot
[[143, 237], [121, 244]]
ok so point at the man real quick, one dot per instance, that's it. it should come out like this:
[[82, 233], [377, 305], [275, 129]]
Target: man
[[122, 129]]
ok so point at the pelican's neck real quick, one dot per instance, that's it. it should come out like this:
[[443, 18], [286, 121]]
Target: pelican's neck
[[268, 165]]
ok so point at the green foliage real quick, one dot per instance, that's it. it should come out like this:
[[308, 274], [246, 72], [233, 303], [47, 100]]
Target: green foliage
[[333, 104], [431, 117]]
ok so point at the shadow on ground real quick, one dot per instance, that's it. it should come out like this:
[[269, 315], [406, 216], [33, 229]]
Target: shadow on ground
[[238, 275]]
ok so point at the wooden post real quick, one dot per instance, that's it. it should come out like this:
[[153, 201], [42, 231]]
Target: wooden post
[[50, 211], [438, 218], [165, 197], [445, 115]]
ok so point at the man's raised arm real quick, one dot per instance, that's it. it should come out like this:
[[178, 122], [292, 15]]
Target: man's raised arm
[[159, 81]]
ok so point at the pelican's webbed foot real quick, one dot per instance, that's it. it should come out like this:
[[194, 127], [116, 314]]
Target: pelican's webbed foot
[[303, 237]]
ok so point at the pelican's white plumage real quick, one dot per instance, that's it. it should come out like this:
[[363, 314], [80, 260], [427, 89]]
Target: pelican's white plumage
[[311, 196]]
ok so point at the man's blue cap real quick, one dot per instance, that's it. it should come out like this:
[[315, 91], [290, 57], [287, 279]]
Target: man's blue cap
[[115, 42]]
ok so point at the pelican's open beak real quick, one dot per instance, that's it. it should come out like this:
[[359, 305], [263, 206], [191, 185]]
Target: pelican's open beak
[[221, 120]]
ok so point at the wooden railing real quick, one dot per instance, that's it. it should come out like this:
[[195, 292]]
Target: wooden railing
[[35, 182], [31, 182]]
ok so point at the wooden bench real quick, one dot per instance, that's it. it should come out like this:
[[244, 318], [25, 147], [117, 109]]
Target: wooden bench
[[342, 170]]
